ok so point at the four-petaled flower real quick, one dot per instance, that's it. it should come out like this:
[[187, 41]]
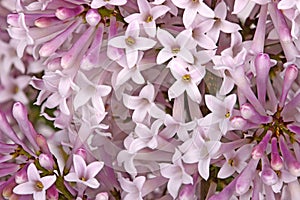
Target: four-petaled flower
[[84, 174], [132, 43], [36, 184]]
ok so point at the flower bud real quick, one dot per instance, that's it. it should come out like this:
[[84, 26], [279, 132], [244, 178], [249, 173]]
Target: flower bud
[[258, 150], [66, 13], [102, 196], [52, 193], [92, 17], [46, 161]]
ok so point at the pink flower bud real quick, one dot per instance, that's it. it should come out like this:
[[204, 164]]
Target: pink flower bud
[[21, 176], [290, 75], [44, 22], [81, 152], [52, 193], [258, 150], [66, 13], [262, 67], [93, 17], [46, 161], [102, 196], [276, 161]]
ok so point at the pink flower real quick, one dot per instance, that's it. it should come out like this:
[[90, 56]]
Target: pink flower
[[131, 42], [147, 16], [132, 188], [174, 47], [191, 8], [186, 80], [35, 185], [84, 174]]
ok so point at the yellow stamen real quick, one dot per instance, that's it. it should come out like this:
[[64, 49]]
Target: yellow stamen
[[186, 77], [227, 115], [130, 41], [149, 19], [39, 185], [175, 50]]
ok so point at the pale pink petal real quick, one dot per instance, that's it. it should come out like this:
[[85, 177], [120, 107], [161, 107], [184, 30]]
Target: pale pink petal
[[150, 28], [83, 96], [118, 42], [98, 3], [165, 38], [133, 29], [176, 89], [131, 57], [286, 4], [25, 188], [131, 102], [92, 183], [79, 166], [137, 77], [158, 11], [41, 195], [227, 86], [221, 10], [139, 115], [203, 168], [173, 186], [192, 156], [225, 171], [144, 43], [239, 5], [148, 92], [163, 56], [117, 2], [194, 93], [144, 6], [48, 181], [32, 173], [229, 27], [71, 177], [206, 11], [139, 182], [93, 169], [189, 16], [136, 145], [186, 55], [134, 16], [156, 112], [214, 104]]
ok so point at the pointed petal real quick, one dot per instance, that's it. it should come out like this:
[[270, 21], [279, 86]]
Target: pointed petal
[[93, 169], [163, 56], [203, 168], [71, 177], [79, 165], [225, 171], [118, 42], [173, 186], [221, 10], [24, 188], [148, 92], [48, 181], [189, 16], [92, 183], [165, 38], [176, 89], [41, 195], [32, 173]]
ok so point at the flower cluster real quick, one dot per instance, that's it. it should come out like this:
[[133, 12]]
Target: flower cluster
[[140, 99]]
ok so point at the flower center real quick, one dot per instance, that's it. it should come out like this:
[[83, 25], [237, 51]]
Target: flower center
[[231, 162], [195, 1], [130, 41], [227, 115], [83, 178], [149, 19], [175, 50], [186, 77], [39, 186]]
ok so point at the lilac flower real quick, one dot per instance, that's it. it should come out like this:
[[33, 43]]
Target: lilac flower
[[176, 174], [185, 80], [36, 185], [174, 47], [235, 161], [147, 16], [132, 43], [84, 174], [221, 112], [143, 105], [132, 189], [191, 8]]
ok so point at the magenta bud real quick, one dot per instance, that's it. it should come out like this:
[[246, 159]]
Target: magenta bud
[[187, 192], [244, 180], [21, 176], [66, 13], [7, 191], [262, 66], [46, 161], [248, 112], [13, 19], [92, 17], [52, 193]]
